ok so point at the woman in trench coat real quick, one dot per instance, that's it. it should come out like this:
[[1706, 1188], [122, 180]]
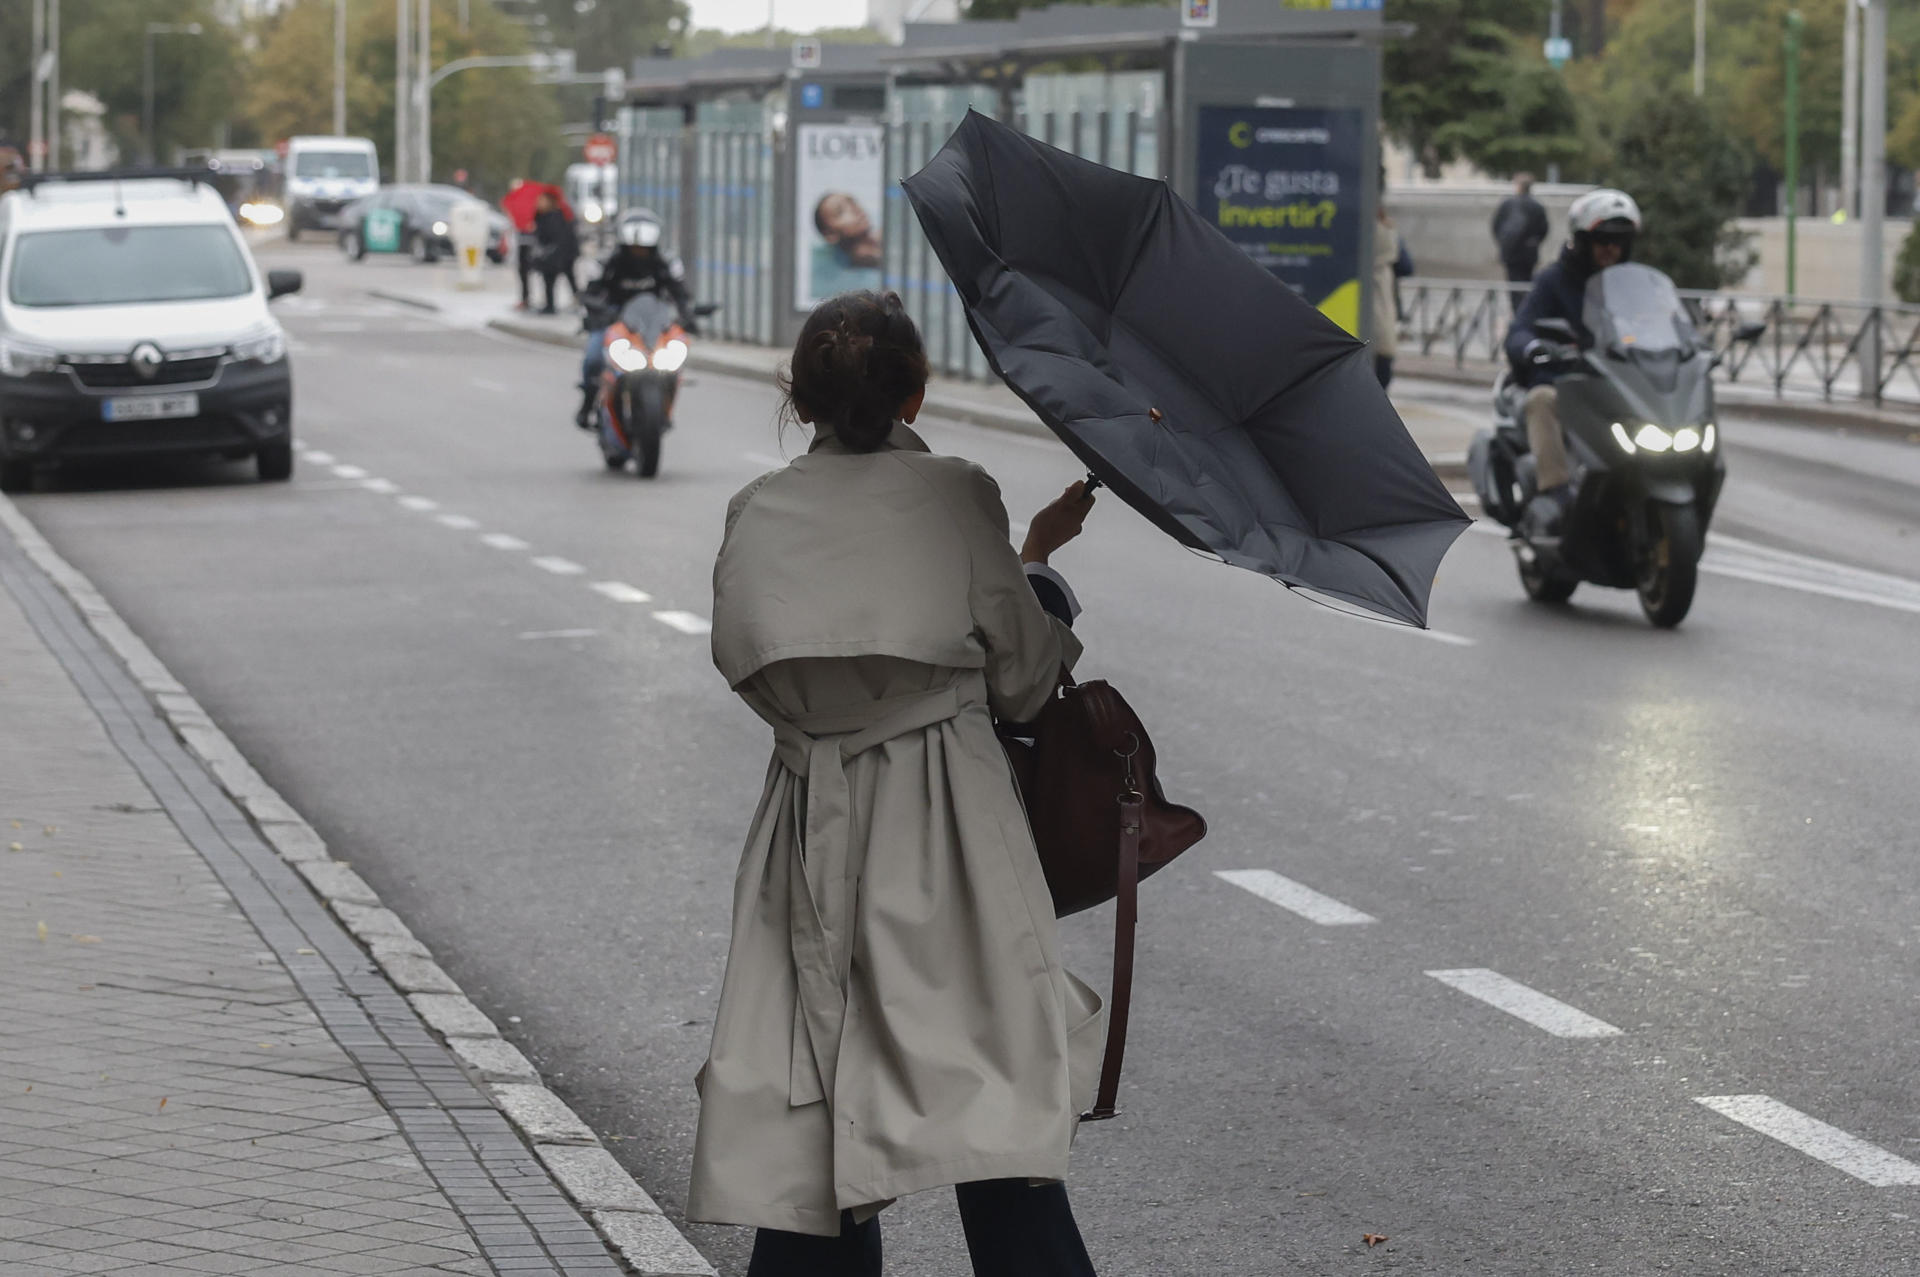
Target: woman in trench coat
[[895, 1016]]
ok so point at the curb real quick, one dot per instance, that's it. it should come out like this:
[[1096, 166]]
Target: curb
[[627, 1218]]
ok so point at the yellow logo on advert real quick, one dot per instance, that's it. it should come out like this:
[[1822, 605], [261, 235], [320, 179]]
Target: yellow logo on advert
[[1241, 135]]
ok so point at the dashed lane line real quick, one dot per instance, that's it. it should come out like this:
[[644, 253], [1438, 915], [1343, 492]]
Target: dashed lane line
[[1542, 1012], [319, 458], [685, 622], [621, 592], [559, 634], [419, 505], [558, 566], [384, 487], [504, 541], [349, 472], [1848, 1153], [458, 522], [1295, 897]]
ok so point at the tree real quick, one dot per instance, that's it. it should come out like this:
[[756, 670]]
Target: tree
[[1467, 85], [196, 78], [495, 123], [1906, 270], [1688, 172]]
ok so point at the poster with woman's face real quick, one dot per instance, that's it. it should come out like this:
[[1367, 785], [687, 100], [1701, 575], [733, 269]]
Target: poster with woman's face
[[839, 187]]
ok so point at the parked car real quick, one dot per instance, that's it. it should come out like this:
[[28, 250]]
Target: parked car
[[133, 321], [423, 229]]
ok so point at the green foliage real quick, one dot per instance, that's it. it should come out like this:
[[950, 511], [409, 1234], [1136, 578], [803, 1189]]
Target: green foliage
[[1471, 83], [607, 33], [495, 123], [1906, 269], [1676, 157]]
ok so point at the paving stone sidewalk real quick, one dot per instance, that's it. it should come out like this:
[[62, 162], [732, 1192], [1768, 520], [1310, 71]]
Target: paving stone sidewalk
[[170, 1100]]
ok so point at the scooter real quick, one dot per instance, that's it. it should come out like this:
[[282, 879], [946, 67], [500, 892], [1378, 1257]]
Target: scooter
[[645, 346], [1636, 407]]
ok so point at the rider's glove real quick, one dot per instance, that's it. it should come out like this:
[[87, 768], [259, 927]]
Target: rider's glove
[[1538, 352]]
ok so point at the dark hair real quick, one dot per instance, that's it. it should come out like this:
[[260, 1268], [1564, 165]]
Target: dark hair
[[858, 359]]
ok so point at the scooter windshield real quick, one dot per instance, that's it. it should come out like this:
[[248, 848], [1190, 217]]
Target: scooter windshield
[[1633, 309], [649, 315]]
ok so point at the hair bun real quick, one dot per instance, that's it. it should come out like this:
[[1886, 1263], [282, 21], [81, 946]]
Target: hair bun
[[858, 359]]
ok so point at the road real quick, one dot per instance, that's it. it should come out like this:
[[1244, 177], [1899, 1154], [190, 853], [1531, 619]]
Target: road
[[1703, 840]]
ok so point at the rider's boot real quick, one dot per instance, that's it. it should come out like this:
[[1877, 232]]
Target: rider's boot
[[584, 417], [1547, 512]]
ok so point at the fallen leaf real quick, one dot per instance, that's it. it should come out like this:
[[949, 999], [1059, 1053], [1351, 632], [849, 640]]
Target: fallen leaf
[[86, 939], [53, 829], [43, 933], [58, 874], [264, 1046], [1372, 1239], [163, 1103], [14, 846]]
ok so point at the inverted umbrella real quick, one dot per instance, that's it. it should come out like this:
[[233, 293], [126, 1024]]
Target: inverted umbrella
[[1201, 389], [519, 203]]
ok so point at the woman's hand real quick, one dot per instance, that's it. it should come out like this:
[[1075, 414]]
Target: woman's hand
[[1057, 523]]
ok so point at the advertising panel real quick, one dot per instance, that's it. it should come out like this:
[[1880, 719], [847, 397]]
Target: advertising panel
[[1284, 183], [838, 187]]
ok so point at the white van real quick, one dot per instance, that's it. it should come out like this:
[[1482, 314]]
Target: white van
[[323, 176], [133, 321]]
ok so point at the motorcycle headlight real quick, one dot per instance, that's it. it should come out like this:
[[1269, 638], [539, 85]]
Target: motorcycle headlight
[[670, 356], [267, 346], [1653, 438], [1620, 437], [626, 356], [1686, 439], [23, 359], [1708, 438]]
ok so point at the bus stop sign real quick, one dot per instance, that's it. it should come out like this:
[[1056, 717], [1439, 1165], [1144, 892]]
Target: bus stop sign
[[600, 149]]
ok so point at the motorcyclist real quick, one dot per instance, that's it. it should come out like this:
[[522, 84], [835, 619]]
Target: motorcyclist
[[1603, 224], [636, 265]]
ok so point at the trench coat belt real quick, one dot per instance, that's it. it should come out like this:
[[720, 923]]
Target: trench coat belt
[[821, 886]]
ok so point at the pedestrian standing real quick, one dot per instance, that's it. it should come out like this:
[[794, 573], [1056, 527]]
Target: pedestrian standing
[[1391, 261], [1519, 228], [557, 248], [895, 1016]]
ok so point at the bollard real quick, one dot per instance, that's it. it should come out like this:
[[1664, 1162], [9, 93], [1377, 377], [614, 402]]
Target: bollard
[[467, 227]]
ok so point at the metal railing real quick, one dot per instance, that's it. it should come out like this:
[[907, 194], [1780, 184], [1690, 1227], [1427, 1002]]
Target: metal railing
[[1806, 347]]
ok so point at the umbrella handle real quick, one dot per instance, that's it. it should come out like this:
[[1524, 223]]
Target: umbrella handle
[[1093, 482]]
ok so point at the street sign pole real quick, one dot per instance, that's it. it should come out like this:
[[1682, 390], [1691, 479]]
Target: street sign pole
[[1794, 23], [402, 95], [36, 119], [1850, 109], [1873, 186]]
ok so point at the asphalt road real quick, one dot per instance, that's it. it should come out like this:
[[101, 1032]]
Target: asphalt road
[[1704, 839]]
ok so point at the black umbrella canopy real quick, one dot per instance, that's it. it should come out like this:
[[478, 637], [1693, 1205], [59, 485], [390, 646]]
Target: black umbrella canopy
[[1204, 391]]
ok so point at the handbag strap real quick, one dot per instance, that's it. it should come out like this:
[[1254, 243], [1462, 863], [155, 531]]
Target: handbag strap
[[1126, 916]]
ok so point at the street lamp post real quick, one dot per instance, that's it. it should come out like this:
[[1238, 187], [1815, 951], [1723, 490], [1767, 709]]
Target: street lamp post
[[154, 29], [1699, 48], [339, 67], [1794, 24]]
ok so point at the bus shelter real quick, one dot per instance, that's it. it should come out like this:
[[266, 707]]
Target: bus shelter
[[778, 171]]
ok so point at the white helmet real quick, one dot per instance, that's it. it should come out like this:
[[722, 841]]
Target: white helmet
[[639, 229], [1595, 209]]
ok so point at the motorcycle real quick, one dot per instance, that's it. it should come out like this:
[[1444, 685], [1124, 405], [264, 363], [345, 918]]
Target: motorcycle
[[1636, 407], [644, 347]]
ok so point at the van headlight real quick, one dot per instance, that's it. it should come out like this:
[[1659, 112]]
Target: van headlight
[[439, 228], [258, 214], [670, 356], [266, 346], [23, 359]]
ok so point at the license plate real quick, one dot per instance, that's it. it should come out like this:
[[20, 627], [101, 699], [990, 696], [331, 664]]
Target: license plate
[[150, 407]]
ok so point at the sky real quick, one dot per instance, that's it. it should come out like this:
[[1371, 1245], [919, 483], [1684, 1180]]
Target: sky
[[793, 15]]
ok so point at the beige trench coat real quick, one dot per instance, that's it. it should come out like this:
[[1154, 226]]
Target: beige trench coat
[[894, 1016]]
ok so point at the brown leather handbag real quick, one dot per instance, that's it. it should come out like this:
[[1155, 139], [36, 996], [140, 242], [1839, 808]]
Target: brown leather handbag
[[1085, 768]]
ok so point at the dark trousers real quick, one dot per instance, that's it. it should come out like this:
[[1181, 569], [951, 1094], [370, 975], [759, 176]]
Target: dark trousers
[[523, 261], [1014, 1229], [1383, 369], [550, 273], [1520, 276]]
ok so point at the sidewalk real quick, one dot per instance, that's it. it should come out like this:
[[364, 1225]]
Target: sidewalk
[[1442, 430], [202, 1071]]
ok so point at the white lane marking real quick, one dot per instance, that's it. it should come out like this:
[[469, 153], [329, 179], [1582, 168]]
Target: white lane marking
[[1517, 1000], [503, 541], [764, 459], [685, 622], [1763, 565], [349, 472], [491, 387], [558, 566], [559, 634], [319, 458], [621, 592], [1815, 1138], [420, 504], [458, 522], [1342, 608], [1288, 894], [340, 326], [385, 487]]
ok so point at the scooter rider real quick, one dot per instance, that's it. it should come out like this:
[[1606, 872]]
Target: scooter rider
[[635, 266], [1603, 224]]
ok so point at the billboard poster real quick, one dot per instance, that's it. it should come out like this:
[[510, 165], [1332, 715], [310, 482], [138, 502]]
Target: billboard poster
[[1284, 183], [838, 185]]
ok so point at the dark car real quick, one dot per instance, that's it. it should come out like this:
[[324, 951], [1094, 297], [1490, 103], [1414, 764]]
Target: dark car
[[425, 222]]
